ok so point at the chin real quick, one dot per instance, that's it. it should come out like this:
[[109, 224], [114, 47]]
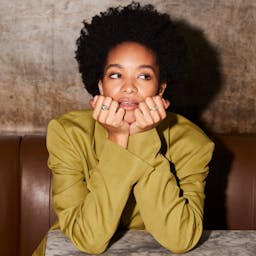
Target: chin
[[129, 117]]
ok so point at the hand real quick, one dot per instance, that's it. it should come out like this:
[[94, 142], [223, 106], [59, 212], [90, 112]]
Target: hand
[[111, 118], [149, 114]]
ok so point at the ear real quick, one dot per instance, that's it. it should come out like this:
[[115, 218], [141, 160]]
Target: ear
[[161, 90], [100, 87]]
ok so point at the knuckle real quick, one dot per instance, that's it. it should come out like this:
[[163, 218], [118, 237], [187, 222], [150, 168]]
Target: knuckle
[[108, 122], [148, 100], [141, 104], [101, 98], [163, 115], [101, 119], [114, 104], [157, 119], [94, 115], [108, 99]]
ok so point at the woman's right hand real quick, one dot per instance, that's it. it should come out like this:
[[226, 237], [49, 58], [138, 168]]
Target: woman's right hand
[[107, 112]]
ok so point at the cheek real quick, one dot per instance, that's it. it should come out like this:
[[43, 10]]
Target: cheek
[[110, 90], [149, 91]]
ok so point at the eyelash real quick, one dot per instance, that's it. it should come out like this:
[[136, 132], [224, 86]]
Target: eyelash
[[115, 74], [147, 76]]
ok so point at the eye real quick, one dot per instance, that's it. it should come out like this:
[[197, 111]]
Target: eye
[[115, 75], [144, 76]]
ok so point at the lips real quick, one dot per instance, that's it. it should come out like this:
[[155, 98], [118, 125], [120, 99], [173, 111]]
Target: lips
[[128, 104]]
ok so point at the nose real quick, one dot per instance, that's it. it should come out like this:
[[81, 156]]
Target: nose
[[129, 86]]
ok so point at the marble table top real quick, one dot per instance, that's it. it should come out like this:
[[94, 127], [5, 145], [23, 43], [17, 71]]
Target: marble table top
[[141, 243]]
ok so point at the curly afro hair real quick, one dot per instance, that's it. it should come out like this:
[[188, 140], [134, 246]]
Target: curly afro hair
[[141, 24]]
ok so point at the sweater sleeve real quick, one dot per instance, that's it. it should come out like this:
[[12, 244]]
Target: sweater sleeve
[[171, 196], [89, 209]]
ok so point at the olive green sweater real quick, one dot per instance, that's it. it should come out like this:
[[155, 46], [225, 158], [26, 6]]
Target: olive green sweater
[[156, 184]]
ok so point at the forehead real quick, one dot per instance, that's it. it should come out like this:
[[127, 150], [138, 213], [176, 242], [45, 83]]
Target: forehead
[[131, 52]]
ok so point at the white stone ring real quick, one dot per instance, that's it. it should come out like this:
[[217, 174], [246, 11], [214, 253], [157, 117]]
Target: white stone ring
[[154, 108], [104, 107]]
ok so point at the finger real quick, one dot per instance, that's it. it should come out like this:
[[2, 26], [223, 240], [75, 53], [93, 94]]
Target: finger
[[97, 106], [161, 108], [113, 107], [166, 103], [112, 112], [119, 116], [140, 121], [104, 109], [92, 101], [146, 115], [153, 109]]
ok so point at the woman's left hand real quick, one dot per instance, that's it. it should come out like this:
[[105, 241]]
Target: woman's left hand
[[149, 114]]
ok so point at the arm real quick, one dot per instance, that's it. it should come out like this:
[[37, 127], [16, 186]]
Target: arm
[[89, 206], [173, 211]]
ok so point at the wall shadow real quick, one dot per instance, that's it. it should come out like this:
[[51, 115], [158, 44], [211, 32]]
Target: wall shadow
[[202, 80], [216, 184], [201, 84]]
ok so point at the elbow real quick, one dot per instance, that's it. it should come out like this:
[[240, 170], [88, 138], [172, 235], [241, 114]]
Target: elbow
[[181, 246], [184, 241], [96, 247], [96, 250], [90, 245], [86, 240]]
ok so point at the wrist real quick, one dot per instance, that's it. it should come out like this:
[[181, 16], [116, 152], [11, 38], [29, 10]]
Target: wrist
[[120, 139]]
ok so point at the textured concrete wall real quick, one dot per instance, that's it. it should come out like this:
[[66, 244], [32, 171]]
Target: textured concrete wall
[[39, 78]]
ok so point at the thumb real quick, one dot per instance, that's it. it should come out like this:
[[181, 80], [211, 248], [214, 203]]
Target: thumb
[[92, 101], [166, 103]]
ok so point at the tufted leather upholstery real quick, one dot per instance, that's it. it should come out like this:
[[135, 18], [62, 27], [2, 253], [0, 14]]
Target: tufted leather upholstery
[[9, 195], [25, 203], [26, 213]]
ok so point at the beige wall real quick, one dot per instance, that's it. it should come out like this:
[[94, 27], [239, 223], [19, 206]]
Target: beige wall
[[39, 78]]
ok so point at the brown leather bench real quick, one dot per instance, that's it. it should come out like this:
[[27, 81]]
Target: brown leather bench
[[25, 188]]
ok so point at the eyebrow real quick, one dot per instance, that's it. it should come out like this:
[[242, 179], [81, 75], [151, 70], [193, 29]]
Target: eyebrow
[[113, 65], [121, 67]]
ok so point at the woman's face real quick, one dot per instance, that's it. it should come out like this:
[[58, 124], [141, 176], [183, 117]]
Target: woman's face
[[130, 76]]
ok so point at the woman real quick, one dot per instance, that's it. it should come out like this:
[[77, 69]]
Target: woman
[[128, 163]]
